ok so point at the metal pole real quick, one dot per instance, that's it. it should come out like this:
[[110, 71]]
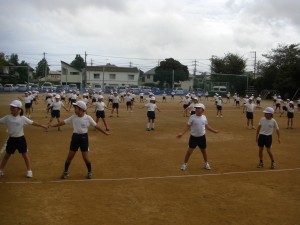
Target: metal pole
[[172, 79], [103, 78]]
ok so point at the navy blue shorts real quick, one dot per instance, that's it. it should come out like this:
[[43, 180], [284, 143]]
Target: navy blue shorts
[[14, 143], [197, 141], [100, 114], [264, 140], [249, 115], [151, 115], [115, 105], [79, 141], [290, 115], [55, 113]]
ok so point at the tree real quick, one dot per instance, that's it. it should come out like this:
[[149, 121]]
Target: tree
[[42, 68], [164, 72], [282, 69], [78, 62], [230, 64]]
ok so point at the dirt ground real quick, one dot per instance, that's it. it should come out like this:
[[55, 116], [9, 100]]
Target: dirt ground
[[137, 177]]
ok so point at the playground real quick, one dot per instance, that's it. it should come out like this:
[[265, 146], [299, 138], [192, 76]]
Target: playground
[[137, 177]]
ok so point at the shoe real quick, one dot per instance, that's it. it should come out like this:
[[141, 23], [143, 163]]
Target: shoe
[[184, 166], [89, 175], [253, 128], [1, 173], [64, 175], [148, 129], [152, 128], [273, 165], [29, 174], [107, 129], [207, 166], [260, 165]]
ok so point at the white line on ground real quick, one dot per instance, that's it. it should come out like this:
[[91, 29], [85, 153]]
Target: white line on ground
[[151, 178]]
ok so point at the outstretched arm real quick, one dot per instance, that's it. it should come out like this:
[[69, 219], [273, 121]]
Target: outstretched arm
[[39, 125], [185, 130], [208, 127]]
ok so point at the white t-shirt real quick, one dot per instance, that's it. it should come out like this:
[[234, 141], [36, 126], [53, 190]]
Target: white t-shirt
[[80, 124], [250, 107], [151, 107], [197, 124], [15, 124], [267, 126], [100, 106], [56, 105]]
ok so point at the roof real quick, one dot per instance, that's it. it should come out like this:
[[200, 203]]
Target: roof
[[152, 71], [111, 68]]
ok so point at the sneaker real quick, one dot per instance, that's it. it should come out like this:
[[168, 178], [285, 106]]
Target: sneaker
[[64, 175], [152, 128], [253, 128], [148, 129], [273, 165], [1, 173], [29, 174], [184, 166], [207, 166], [89, 175], [260, 165]]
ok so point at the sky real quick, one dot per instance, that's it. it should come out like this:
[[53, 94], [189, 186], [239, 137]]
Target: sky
[[141, 33]]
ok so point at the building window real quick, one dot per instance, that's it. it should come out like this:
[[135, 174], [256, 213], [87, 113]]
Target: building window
[[130, 77], [74, 73], [64, 71], [96, 76], [148, 76], [112, 76]]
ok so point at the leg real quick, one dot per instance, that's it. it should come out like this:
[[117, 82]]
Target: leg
[[4, 161], [203, 151], [27, 161]]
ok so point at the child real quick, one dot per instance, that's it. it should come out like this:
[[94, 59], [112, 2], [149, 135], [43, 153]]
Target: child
[[264, 135], [219, 102], [100, 113], [28, 102], [197, 124], [151, 106], [249, 107], [115, 104], [80, 122], [290, 114], [16, 140], [55, 109]]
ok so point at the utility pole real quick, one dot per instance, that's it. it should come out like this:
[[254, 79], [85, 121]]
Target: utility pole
[[91, 62], [130, 63], [254, 66], [45, 71], [195, 67], [85, 55]]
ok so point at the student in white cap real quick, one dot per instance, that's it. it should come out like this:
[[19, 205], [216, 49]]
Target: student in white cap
[[151, 107], [115, 104], [186, 102], [28, 102], [249, 108], [100, 113], [80, 122], [290, 115], [197, 124], [264, 136], [55, 109], [16, 141]]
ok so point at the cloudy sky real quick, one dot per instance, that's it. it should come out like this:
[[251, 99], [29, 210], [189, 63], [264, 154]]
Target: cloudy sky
[[141, 33]]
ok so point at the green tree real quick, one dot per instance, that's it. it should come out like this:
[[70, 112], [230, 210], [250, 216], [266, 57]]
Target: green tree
[[229, 64], [42, 69], [78, 62], [164, 72], [282, 70]]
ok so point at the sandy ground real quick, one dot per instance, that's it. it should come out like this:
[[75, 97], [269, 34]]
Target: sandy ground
[[137, 177]]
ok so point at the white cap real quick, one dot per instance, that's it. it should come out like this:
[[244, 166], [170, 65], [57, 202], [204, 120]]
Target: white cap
[[100, 96], [199, 105], [80, 104], [16, 103], [291, 102], [152, 98], [57, 96], [269, 110], [195, 98]]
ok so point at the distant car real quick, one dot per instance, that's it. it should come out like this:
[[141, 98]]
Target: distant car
[[72, 87], [179, 91], [35, 87], [1, 87], [46, 87], [122, 90], [9, 87], [21, 88], [134, 90], [146, 91]]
